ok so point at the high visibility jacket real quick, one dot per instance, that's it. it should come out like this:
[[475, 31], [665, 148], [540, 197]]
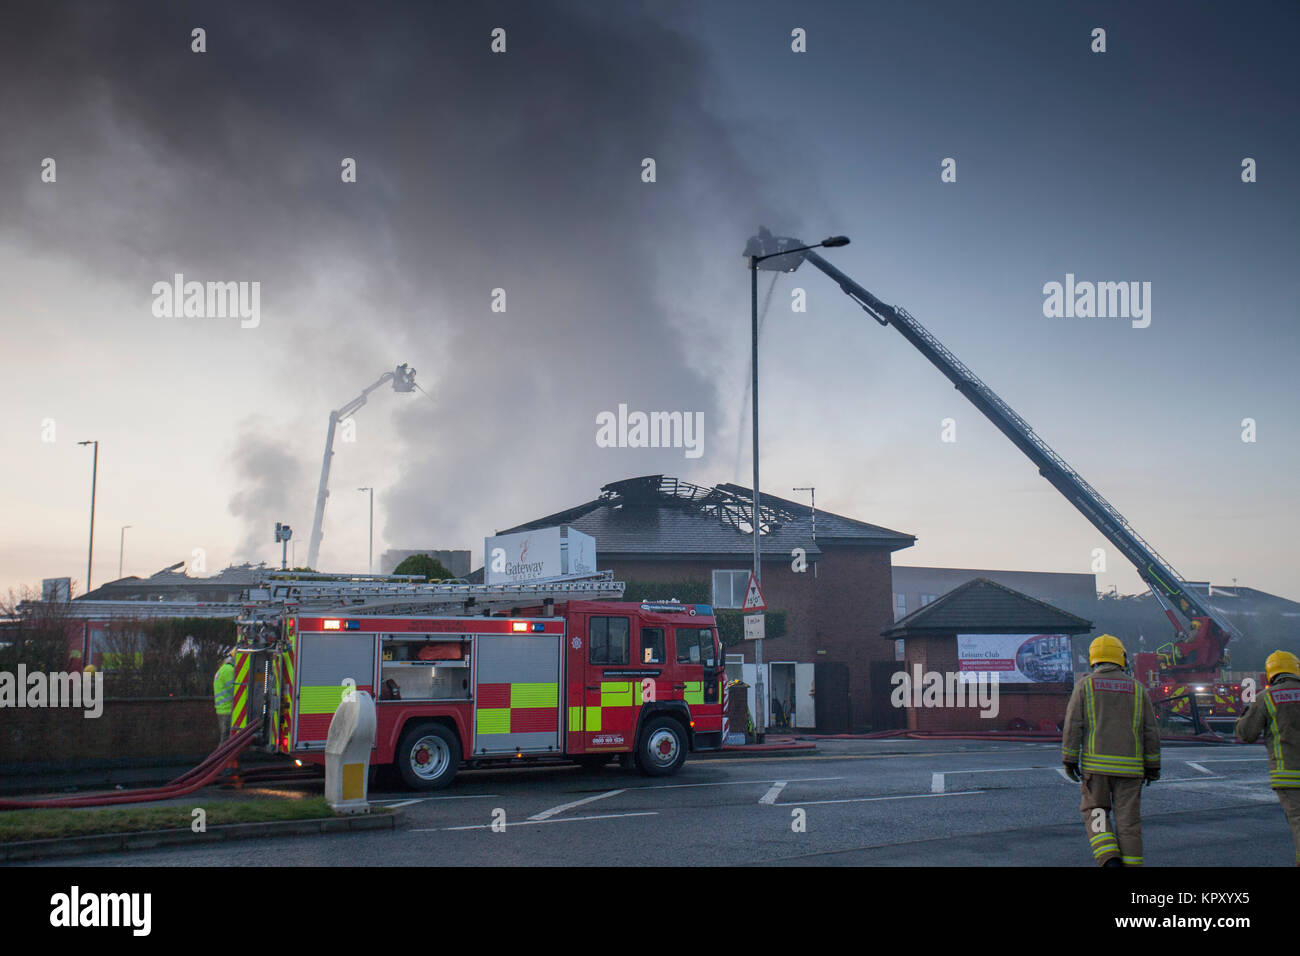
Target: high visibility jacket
[[1110, 725], [1276, 712], [223, 688]]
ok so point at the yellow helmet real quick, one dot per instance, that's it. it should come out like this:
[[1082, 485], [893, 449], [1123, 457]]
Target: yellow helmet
[[1106, 649], [1281, 662]]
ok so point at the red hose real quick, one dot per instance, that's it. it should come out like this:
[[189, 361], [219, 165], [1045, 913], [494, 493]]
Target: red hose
[[186, 783]]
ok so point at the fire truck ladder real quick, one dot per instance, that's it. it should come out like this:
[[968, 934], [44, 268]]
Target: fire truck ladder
[[1206, 650], [357, 596]]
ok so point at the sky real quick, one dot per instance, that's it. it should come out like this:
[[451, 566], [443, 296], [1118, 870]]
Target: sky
[[524, 171]]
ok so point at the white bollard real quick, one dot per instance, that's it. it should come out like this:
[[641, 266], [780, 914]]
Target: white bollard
[[347, 753]]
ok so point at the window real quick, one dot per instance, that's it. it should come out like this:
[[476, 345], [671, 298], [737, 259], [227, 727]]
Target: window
[[695, 646], [652, 645], [729, 588], [608, 639], [900, 606], [927, 598]]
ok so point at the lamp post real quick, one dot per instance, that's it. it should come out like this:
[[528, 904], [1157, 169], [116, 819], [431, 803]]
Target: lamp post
[[370, 568], [94, 479], [121, 549], [754, 251]]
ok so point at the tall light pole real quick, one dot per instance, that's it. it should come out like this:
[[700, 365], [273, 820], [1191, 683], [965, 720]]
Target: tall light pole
[[761, 247], [121, 549], [94, 479], [370, 568]]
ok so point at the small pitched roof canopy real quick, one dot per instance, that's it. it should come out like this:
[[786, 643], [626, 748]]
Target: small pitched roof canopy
[[982, 606]]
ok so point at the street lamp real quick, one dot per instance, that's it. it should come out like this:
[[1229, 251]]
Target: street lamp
[[94, 478], [370, 569], [121, 549], [760, 248]]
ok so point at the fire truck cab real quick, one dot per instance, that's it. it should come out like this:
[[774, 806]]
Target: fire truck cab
[[589, 681]]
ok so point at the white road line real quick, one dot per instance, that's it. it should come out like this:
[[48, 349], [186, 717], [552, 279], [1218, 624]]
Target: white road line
[[1233, 759], [1217, 776], [773, 792], [726, 783], [936, 779], [1065, 776], [908, 796], [547, 814], [1196, 766], [405, 803], [529, 822]]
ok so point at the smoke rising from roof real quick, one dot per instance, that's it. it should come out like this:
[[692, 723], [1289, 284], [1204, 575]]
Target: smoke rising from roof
[[477, 171]]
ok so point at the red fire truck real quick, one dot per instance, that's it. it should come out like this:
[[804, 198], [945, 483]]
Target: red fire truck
[[578, 680]]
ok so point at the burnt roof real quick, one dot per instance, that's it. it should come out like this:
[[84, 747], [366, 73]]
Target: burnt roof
[[984, 606], [657, 514]]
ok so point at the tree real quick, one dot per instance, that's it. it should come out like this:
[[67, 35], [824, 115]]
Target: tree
[[430, 567]]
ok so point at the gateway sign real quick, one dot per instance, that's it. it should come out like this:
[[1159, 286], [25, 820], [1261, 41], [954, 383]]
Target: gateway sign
[[543, 554]]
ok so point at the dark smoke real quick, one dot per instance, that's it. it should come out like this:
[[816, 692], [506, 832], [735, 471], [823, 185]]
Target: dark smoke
[[476, 172]]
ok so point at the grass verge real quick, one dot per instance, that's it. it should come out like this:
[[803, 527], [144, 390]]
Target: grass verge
[[55, 822]]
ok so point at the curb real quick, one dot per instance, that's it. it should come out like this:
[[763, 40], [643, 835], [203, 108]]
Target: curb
[[763, 750], [151, 839]]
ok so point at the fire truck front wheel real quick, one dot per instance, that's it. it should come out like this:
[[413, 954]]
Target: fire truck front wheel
[[428, 756], [662, 747]]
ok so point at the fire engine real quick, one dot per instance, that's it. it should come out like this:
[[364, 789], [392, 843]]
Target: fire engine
[[469, 676]]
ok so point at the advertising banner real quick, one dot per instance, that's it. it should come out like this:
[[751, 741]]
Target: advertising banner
[[1017, 658]]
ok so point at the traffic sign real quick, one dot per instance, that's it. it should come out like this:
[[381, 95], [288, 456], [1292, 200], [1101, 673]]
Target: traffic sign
[[754, 628], [753, 596]]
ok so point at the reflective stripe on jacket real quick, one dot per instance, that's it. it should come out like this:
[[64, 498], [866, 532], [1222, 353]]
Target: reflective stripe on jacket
[[223, 688], [1276, 714], [1110, 725]]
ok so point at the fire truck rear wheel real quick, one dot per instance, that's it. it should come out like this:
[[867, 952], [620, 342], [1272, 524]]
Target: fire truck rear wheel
[[428, 756], [661, 750]]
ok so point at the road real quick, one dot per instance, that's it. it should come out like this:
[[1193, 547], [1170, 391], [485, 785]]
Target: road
[[860, 803]]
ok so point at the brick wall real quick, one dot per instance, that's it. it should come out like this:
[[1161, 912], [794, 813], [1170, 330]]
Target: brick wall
[[836, 615], [1028, 702]]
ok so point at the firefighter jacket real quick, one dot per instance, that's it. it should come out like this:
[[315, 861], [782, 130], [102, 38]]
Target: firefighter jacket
[[1110, 725], [1276, 712], [223, 688]]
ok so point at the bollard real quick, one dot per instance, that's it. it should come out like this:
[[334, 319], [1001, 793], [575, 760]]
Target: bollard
[[347, 753]]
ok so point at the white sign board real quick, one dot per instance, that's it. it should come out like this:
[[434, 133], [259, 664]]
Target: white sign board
[[56, 589], [523, 557], [754, 627], [1018, 658], [579, 553]]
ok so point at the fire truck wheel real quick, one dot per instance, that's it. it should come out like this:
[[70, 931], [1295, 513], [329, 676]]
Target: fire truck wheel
[[662, 748], [428, 756]]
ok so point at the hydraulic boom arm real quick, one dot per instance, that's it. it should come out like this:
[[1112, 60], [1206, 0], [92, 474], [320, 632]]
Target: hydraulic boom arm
[[1203, 651], [403, 379]]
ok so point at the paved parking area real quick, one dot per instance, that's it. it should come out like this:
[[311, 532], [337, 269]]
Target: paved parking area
[[857, 803]]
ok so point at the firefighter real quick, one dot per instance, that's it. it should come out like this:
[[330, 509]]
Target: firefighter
[[1110, 731], [223, 693], [1276, 712]]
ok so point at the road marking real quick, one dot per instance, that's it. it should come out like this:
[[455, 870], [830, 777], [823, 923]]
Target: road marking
[[907, 796], [936, 779], [773, 792], [1217, 776], [407, 803], [727, 783], [529, 822], [1065, 776], [1196, 766], [547, 814], [1233, 759]]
